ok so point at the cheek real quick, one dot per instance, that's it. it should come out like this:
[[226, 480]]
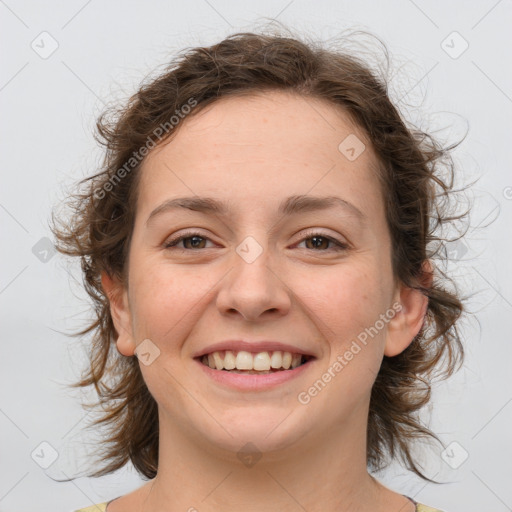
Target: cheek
[[344, 301], [163, 297], [345, 305]]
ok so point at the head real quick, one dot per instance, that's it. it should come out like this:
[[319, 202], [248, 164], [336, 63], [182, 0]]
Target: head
[[256, 132]]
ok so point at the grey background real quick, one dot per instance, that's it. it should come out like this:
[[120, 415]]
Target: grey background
[[49, 104]]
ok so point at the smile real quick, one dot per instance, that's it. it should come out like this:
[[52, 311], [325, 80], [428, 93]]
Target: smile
[[239, 370], [253, 363]]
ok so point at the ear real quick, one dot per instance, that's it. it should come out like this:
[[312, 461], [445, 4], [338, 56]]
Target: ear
[[407, 322], [120, 311]]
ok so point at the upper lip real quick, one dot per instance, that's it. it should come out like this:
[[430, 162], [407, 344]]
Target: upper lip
[[253, 346]]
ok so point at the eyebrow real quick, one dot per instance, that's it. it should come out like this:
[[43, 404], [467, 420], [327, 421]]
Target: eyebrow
[[289, 206]]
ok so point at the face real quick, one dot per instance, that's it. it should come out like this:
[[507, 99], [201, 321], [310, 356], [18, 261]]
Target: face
[[264, 268]]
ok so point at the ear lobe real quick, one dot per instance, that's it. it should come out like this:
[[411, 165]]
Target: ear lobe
[[120, 313], [407, 323]]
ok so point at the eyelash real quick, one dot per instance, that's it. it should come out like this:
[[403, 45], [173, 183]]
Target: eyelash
[[310, 234]]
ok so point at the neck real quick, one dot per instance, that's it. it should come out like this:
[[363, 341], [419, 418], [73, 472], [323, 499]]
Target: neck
[[327, 472]]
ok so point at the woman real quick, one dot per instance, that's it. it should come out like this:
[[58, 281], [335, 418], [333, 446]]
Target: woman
[[260, 248]]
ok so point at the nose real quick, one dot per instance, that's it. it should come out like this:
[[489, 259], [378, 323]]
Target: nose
[[253, 290]]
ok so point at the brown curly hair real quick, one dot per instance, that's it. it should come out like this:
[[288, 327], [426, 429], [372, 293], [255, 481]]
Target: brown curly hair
[[416, 174]]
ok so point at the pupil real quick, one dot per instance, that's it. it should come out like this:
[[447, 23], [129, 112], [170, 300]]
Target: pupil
[[317, 241], [194, 240]]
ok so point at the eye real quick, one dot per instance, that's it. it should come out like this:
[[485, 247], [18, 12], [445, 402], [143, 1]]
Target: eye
[[194, 237], [321, 240]]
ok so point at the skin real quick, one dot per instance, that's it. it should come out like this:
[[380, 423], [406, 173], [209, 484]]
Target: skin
[[254, 151]]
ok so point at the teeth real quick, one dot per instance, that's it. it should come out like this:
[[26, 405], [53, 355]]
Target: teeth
[[243, 360], [276, 359], [229, 360], [218, 361], [261, 361]]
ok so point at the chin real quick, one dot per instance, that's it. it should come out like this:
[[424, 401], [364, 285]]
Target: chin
[[261, 431]]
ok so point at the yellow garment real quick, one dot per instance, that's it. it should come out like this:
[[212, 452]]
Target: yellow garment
[[100, 507]]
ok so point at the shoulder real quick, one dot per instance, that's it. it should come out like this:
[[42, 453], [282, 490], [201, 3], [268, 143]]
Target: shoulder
[[99, 507], [425, 508]]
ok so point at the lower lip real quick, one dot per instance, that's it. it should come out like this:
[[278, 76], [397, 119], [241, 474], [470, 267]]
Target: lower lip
[[253, 382]]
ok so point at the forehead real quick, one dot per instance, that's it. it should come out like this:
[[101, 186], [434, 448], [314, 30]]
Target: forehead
[[269, 120], [260, 146]]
